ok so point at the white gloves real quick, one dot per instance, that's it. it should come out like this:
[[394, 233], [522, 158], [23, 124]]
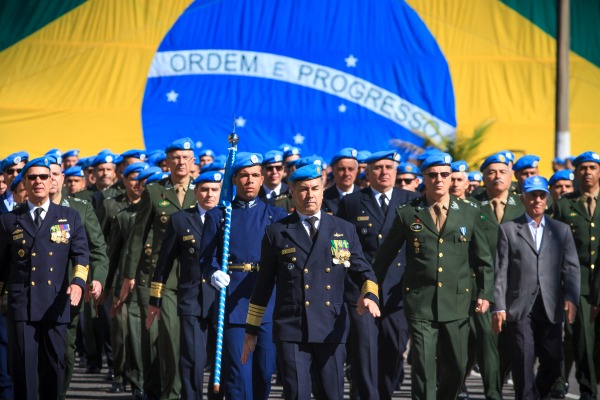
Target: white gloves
[[220, 279]]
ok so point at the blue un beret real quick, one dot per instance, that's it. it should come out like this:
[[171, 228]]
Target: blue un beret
[[527, 161], [180, 144], [141, 154], [475, 176], [498, 158], [209, 177], [85, 162], [428, 152], [14, 159], [362, 155], [316, 160], [71, 153], [244, 159], [347, 152], [436, 159], [157, 157], [562, 175], [306, 173], [146, 173], [36, 162], [157, 177], [273, 156], [135, 167], [383, 155], [588, 156], [408, 168], [508, 154], [459, 166], [534, 183], [53, 159], [15, 182], [559, 161], [57, 154], [206, 152], [212, 167], [75, 170], [103, 158], [292, 151]]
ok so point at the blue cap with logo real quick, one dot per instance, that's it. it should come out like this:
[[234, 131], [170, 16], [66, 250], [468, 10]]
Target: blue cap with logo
[[85, 162], [362, 155], [308, 172], [209, 177], [435, 160], [527, 161], [292, 151], [54, 159], [206, 152], [141, 154], [408, 168], [135, 167], [211, 167], [508, 154], [459, 166], [14, 159], [103, 158], [428, 152], [147, 172], [156, 157], [534, 183], [498, 158], [36, 162], [272, 157], [475, 176], [180, 144], [562, 175], [157, 177], [15, 182], [71, 153], [347, 152], [588, 156], [245, 160], [75, 170], [55, 153], [316, 160], [383, 155]]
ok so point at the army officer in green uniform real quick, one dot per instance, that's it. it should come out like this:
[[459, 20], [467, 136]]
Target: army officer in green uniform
[[444, 241]]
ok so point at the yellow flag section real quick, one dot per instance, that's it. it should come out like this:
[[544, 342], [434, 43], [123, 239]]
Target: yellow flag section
[[503, 67], [78, 81]]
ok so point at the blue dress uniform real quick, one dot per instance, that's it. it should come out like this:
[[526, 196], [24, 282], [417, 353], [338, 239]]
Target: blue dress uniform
[[310, 322], [386, 345], [36, 275], [248, 222]]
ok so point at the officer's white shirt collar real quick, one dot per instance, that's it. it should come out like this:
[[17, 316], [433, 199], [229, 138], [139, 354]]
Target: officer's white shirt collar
[[388, 195], [44, 207], [305, 224], [202, 212], [272, 192], [537, 232], [342, 193]]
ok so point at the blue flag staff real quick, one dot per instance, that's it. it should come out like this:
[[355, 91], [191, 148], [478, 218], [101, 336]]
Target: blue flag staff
[[227, 194]]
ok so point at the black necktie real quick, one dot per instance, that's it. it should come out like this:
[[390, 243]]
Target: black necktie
[[312, 231], [384, 206], [38, 216]]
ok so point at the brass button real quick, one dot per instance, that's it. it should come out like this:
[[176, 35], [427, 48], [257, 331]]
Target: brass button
[[408, 289], [51, 269], [49, 282], [473, 275], [592, 266], [327, 269], [307, 303], [440, 269], [380, 236], [399, 264], [306, 287], [467, 290], [306, 270], [416, 240], [24, 242], [593, 225], [370, 224], [439, 284], [143, 281], [32, 283], [328, 287], [32, 254], [593, 238], [50, 253], [593, 252], [33, 268], [327, 303], [441, 240], [293, 259], [163, 213], [441, 255], [417, 244], [193, 240], [203, 280]]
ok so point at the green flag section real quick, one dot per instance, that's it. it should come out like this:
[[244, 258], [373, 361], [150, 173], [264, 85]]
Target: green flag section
[[19, 19], [503, 66]]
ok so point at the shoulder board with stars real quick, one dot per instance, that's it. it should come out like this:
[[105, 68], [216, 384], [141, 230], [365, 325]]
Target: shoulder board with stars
[[470, 203], [281, 196], [402, 206]]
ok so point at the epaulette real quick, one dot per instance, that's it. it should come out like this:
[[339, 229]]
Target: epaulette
[[469, 202], [402, 206], [78, 199], [282, 196]]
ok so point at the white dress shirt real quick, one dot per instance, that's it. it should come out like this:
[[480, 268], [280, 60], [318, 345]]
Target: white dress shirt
[[306, 225], [44, 207], [537, 232]]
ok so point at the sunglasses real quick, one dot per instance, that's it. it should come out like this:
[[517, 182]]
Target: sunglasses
[[406, 181], [433, 175], [11, 171], [272, 168], [33, 177]]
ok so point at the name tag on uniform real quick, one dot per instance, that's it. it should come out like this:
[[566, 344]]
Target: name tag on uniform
[[188, 237], [288, 251], [365, 218], [18, 236], [62, 220]]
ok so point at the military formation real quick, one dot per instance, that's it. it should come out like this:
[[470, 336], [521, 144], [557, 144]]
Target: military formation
[[332, 271]]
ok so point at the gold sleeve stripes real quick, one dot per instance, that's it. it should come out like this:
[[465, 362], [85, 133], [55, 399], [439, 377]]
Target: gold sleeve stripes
[[81, 272], [370, 287], [156, 289], [255, 314]]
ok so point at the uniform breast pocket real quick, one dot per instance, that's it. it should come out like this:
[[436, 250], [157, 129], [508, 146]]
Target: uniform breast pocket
[[461, 243]]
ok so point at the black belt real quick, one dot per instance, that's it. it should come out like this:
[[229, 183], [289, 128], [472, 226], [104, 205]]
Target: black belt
[[248, 267]]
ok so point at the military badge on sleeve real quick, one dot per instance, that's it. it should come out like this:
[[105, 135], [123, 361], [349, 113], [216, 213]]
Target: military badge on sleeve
[[60, 233], [340, 249]]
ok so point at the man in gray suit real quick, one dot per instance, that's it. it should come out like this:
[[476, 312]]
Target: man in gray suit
[[537, 277]]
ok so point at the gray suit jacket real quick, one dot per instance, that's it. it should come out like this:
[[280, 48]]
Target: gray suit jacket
[[519, 268]]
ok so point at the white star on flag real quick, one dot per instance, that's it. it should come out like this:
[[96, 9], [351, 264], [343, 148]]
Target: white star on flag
[[172, 96], [198, 144], [298, 138], [342, 108], [351, 61], [240, 121]]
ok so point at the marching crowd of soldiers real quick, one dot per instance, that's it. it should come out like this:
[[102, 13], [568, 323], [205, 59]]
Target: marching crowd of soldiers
[[332, 270]]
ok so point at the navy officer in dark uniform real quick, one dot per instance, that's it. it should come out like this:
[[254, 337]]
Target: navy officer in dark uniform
[[195, 298], [345, 170], [378, 353], [249, 218], [307, 256], [37, 241]]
